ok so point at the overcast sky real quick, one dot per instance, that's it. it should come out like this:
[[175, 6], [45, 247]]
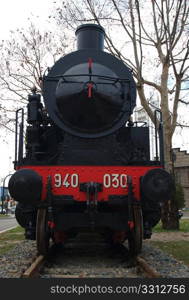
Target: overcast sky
[[14, 14]]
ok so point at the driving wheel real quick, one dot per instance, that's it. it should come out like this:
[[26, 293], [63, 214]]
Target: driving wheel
[[136, 234], [42, 232]]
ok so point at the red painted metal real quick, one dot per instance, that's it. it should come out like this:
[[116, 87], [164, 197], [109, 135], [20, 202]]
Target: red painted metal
[[131, 224], [91, 173], [59, 237], [90, 87], [119, 236], [90, 61], [51, 224]]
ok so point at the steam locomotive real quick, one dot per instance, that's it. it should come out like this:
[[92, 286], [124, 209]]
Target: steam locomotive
[[86, 164]]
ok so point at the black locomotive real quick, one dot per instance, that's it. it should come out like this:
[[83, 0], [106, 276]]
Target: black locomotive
[[86, 164]]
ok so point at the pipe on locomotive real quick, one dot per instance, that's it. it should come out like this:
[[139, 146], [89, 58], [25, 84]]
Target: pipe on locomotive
[[90, 36]]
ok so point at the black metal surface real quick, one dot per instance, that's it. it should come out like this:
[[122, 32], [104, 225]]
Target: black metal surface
[[48, 145], [42, 232], [117, 201], [95, 114], [25, 186], [129, 146], [69, 204], [113, 221], [19, 137], [161, 141], [157, 184], [90, 36], [136, 233], [93, 186], [26, 217], [99, 118], [159, 131], [34, 106]]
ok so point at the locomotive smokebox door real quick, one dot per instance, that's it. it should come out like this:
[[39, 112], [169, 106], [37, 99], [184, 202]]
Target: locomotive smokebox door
[[94, 105], [89, 93]]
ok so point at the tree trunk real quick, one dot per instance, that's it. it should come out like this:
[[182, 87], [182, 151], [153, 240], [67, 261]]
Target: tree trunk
[[173, 215], [169, 216], [165, 214], [169, 207]]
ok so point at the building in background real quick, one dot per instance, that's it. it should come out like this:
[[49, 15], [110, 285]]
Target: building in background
[[6, 196], [141, 116], [181, 168]]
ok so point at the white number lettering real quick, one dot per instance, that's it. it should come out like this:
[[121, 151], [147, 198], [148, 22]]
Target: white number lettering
[[115, 180], [65, 182], [58, 180], [107, 181], [74, 180], [69, 180], [123, 180]]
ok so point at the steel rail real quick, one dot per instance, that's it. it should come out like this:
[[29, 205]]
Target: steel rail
[[37, 264]]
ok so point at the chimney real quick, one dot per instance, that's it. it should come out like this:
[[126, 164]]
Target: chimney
[[90, 36]]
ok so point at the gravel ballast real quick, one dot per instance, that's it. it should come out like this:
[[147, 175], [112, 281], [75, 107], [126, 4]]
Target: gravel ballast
[[15, 261], [164, 263]]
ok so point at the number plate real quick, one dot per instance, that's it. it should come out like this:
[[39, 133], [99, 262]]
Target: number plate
[[72, 180], [67, 180], [115, 180]]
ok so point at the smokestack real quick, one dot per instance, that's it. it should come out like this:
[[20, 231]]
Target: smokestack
[[90, 36]]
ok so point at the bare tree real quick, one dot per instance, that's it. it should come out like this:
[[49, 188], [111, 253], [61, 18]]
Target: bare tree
[[24, 58], [152, 38]]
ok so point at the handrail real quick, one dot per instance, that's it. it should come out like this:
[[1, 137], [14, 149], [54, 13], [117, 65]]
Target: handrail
[[159, 131], [19, 146]]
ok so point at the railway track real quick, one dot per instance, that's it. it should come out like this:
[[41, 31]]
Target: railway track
[[38, 264], [83, 258]]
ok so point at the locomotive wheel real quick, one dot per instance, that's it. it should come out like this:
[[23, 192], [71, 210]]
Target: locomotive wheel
[[136, 235], [42, 232]]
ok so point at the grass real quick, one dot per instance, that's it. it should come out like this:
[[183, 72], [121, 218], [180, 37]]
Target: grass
[[178, 249], [17, 229], [10, 238], [3, 216], [184, 227], [5, 248]]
